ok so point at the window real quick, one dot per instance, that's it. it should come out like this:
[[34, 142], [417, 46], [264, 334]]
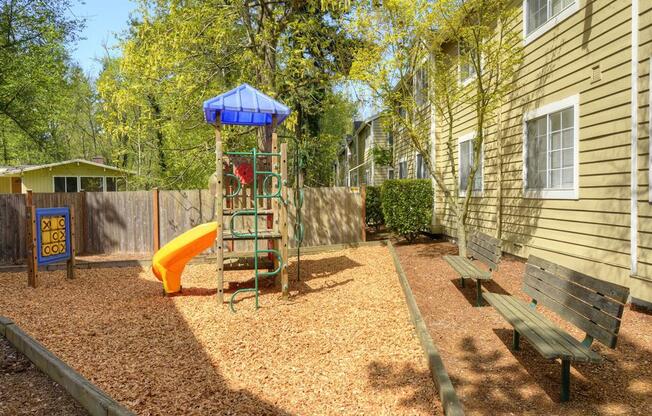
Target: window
[[422, 168], [390, 138], [119, 184], [390, 173], [353, 179], [466, 68], [421, 86], [466, 161], [65, 184], [541, 15], [91, 183], [367, 139], [367, 176], [551, 150], [402, 169]]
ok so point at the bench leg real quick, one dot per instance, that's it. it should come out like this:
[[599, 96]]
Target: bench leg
[[565, 380], [516, 341], [478, 298], [462, 282]]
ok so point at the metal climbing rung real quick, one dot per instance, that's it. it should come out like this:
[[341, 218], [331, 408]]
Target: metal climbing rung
[[254, 154]]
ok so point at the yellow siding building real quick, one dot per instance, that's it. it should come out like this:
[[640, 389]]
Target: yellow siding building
[[67, 176], [576, 160]]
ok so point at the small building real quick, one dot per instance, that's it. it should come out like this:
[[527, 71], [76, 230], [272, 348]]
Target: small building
[[356, 165], [67, 176]]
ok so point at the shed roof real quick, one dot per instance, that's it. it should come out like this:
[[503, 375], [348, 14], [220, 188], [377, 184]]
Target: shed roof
[[245, 106], [18, 170]]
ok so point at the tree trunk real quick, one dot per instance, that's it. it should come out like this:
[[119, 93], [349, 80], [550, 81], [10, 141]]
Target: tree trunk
[[461, 235]]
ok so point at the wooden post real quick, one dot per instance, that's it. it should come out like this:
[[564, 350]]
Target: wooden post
[[32, 268], [219, 208], [283, 221], [156, 220], [273, 220], [84, 229], [70, 264], [363, 196]]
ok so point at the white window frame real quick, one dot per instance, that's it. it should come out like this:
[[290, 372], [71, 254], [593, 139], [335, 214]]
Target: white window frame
[[66, 184], [572, 193], [466, 81], [419, 94], [416, 166], [407, 173], [552, 22], [369, 140], [475, 192], [390, 173], [87, 176]]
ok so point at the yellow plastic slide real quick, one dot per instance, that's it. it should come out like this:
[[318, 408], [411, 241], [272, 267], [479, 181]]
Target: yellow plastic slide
[[168, 263]]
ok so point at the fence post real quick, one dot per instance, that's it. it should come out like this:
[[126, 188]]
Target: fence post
[[82, 219], [363, 195], [70, 264], [155, 220], [31, 239]]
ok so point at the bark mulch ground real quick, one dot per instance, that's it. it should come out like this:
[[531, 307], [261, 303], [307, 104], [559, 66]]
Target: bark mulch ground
[[491, 379], [342, 344], [24, 390]]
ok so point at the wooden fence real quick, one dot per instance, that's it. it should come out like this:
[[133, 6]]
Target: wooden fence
[[125, 222]]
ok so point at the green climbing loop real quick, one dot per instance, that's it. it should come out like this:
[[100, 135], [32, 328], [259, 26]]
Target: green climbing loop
[[257, 196]]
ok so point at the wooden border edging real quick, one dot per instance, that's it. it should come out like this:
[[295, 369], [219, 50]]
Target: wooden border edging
[[449, 400], [94, 400]]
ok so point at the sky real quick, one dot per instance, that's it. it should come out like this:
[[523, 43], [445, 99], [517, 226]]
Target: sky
[[104, 19]]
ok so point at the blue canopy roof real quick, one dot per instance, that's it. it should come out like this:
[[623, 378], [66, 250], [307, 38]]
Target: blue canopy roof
[[245, 106]]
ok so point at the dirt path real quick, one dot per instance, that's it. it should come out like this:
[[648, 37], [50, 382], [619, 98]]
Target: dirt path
[[24, 390], [490, 378]]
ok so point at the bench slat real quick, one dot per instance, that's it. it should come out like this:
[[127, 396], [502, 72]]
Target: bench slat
[[466, 269], [540, 280], [580, 352], [492, 245], [573, 317], [479, 253], [503, 305], [617, 292], [548, 339], [607, 305]]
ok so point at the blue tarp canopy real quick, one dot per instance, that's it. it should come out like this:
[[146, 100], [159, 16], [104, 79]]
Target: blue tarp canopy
[[245, 106]]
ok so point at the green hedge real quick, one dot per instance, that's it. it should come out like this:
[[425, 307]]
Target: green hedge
[[407, 206], [373, 208]]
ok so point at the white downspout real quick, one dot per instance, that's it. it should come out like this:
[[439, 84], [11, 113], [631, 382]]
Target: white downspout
[[634, 144]]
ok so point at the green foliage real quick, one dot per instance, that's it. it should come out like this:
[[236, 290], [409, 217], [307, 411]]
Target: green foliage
[[407, 206], [383, 156], [178, 54], [373, 207], [37, 82]]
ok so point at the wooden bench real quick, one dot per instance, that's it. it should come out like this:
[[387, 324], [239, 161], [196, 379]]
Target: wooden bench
[[481, 247], [592, 305]]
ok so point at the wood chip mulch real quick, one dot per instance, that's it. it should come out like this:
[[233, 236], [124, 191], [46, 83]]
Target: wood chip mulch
[[341, 345], [490, 379], [24, 390]]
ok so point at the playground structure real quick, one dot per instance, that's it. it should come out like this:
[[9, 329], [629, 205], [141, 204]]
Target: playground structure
[[267, 169]]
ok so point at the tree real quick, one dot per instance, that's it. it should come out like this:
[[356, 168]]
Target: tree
[[34, 77], [416, 43], [176, 55]]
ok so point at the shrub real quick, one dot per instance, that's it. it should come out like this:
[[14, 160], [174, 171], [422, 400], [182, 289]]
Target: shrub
[[373, 209], [407, 206]]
